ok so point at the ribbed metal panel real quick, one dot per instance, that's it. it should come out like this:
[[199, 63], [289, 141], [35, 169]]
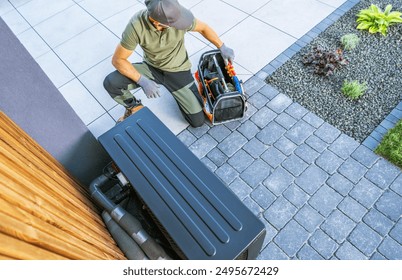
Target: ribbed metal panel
[[204, 218]]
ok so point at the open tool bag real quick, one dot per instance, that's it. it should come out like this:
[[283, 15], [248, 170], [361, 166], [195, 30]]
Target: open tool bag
[[221, 90]]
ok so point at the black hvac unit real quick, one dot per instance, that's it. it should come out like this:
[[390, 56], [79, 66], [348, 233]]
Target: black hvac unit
[[199, 214]]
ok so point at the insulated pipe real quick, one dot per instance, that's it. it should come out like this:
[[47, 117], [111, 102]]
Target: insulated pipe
[[126, 221], [129, 247], [98, 195], [133, 227]]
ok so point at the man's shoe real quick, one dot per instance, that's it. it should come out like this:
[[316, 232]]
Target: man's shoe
[[130, 111]]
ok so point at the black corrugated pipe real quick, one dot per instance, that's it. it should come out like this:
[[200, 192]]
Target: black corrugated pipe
[[129, 247], [126, 221]]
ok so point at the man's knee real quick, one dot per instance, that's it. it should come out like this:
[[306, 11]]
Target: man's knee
[[196, 120], [109, 86]]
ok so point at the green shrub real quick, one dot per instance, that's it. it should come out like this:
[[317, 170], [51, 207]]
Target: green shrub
[[375, 20], [353, 89], [391, 145], [350, 41]]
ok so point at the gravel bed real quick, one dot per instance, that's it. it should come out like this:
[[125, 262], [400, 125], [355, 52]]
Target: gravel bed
[[377, 60]]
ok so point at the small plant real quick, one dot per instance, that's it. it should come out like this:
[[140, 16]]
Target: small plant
[[325, 62], [350, 41], [375, 20], [353, 89], [391, 145]]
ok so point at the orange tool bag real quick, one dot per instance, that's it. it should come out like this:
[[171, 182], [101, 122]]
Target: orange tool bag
[[221, 91]]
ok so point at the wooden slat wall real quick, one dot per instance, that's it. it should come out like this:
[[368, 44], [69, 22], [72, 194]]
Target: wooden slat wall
[[44, 212]]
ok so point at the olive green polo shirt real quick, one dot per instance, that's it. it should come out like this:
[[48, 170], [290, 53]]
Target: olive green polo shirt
[[164, 50]]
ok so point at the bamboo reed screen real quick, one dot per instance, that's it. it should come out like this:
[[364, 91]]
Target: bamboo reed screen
[[44, 212]]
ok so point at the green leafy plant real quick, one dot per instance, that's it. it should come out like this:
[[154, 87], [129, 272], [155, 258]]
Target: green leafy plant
[[375, 20], [353, 89], [391, 145], [325, 62], [350, 41]]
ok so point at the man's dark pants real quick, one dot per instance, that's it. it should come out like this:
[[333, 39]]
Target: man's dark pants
[[181, 85]]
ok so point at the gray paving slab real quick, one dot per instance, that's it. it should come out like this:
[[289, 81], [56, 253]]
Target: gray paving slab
[[313, 119], [306, 153], [309, 218], [325, 200], [234, 142], [203, 146], [278, 181], [256, 173], [270, 133], [273, 156], [396, 232], [348, 252], [296, 195], [390, 249], [208, 163], [397, 185], [272, 252], [383, 173], [286, 146], [240, 188], [323, 244], [280, 213], [329, 161], [285, 120], [219, 132], [249, 129], [186, 137], [294, 165], [255, 148], [327, 132], [317, 143], [352, 209], [279, 103], [343, 146], [340, 184], [390, 205], [217, 157], [263, 196], [291, 238], [365, 156], [365, 239], [308, 253], [258, 100], [299, 132], [268, 91], [263, 117], [240, 160], [253, 206], [338, 226], [352, 170], [296, 111], [226, 173], [311, 179], [366, 193], [378, 221]]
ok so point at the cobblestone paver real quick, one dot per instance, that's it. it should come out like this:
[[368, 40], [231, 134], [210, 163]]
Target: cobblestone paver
[[320, 193]]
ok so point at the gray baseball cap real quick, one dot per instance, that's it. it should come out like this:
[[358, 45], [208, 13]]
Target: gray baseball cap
[[170, 12]]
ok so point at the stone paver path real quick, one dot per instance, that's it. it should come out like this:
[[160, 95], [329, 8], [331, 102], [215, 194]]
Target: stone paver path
[[319, 192]]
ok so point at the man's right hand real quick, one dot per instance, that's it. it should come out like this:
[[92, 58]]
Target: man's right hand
[[150, 88]]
